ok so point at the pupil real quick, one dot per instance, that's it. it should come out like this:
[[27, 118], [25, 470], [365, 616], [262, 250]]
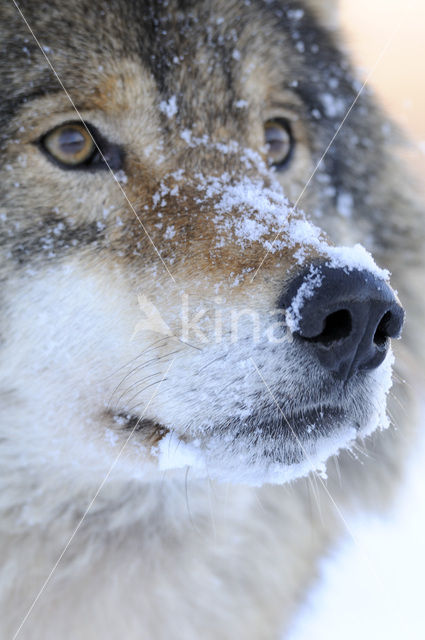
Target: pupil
[[276, 134], [71, 141], [275, 146], [278, 139]]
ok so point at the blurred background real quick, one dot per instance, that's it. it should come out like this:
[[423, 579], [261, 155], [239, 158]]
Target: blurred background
[[396, 27], [372, 585]]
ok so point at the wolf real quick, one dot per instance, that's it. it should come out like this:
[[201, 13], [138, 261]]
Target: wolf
[[194, 366]]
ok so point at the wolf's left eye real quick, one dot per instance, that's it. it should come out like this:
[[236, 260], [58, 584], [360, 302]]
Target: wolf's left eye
[[279, 142], [75, 146]]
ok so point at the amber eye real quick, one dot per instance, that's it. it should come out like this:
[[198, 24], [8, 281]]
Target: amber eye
[[279, 142], [70, 144], [78, 145]]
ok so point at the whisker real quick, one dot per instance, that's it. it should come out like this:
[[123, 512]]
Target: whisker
[[138, 392], [316, 494], [212, 362], [400, 380], [229, 384], [154, 345], [362, 451], [260, 502], [147, 387], [139, 368], [395, 397], [393, 421], [338, 469], [187, 499], [188, 344], [210, 493]]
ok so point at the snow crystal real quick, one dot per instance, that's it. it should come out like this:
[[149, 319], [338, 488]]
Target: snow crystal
[[186, 135], [169, 108], [295, 14], [265, 210], [170, 232], [177, 175], [121, 177], [308, 235], [111, 437], [106, 211], [344, 204], [356, 257], [173, 453], [333, 106], [312, 281]]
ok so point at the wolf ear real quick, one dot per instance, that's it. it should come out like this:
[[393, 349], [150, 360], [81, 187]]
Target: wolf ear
[[326, 11]]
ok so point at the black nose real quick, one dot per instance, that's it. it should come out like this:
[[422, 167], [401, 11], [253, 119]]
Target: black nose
[[348, 317]]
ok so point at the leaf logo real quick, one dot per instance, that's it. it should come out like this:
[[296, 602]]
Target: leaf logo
[[153, 320]]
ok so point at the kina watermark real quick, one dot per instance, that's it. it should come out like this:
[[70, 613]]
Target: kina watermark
[[214, 322]]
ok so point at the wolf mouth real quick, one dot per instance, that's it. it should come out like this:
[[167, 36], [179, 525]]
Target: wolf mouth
[[296, 427]]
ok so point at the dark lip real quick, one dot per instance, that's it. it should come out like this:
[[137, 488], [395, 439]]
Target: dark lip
[[295, 427], [314, 419]]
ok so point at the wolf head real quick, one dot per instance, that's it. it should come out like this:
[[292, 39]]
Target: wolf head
[[160, 276]]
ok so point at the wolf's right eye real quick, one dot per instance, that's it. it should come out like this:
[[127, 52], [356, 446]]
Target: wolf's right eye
[[70, 144], [279, 142], [73, 145]]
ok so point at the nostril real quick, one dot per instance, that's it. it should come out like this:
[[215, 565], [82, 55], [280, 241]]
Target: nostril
[[382, 332], [348, 319], [337, 326]]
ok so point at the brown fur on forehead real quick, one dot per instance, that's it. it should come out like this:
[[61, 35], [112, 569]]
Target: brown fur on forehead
[[175, 41]]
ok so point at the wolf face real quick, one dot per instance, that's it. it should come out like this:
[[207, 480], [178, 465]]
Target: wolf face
[[176, 197], [160, 299]]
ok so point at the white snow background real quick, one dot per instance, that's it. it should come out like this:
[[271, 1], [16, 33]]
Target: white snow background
[[373, 588]]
